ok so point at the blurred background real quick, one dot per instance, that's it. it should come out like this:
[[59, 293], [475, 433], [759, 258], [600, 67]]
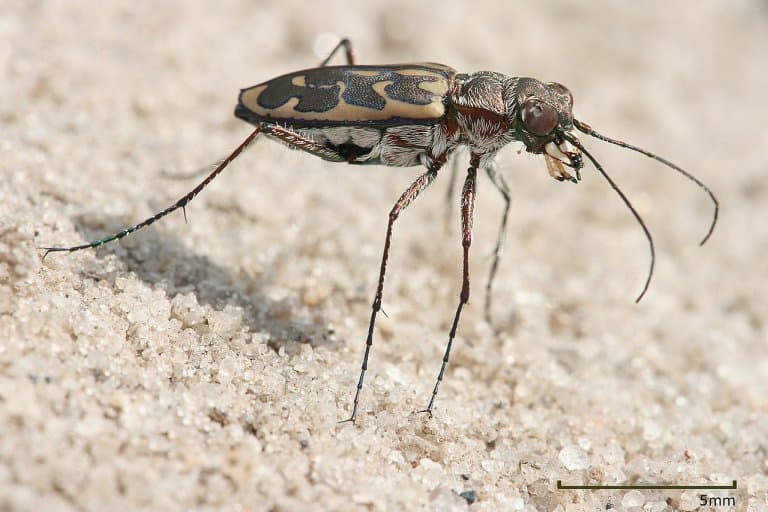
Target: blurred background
[[205, 364]]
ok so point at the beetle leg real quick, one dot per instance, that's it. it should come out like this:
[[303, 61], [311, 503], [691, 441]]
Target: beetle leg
[[292, 139], [467, 209], [300, 142], [350, 54], [501, 185], [421, 183], [181, 203]]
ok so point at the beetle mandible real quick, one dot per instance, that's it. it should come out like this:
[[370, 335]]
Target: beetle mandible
[[418, 115]]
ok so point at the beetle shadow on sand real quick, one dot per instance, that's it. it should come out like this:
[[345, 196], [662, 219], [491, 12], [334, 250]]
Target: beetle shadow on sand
[[162, 261]]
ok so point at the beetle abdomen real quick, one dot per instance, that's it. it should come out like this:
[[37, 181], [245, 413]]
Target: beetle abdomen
[[350, 95], [356, 145], [399, 146]]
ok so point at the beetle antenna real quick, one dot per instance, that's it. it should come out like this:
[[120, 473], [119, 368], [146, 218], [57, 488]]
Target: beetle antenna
[[181, 203], [584, 127], [624, 198]]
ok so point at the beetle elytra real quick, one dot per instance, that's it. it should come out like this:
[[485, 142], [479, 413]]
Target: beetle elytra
[[418, 114]]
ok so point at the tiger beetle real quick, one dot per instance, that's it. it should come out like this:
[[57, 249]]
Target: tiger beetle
[[419, 114]]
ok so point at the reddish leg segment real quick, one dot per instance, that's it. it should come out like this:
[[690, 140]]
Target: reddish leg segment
[[467, 209]]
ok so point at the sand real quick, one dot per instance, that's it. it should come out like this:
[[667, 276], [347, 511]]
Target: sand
[[205, 365]]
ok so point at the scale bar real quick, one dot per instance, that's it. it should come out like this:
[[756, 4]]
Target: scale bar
[[647, 486]]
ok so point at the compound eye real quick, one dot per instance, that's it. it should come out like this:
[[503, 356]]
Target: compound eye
[[561, 89], [538, 117]]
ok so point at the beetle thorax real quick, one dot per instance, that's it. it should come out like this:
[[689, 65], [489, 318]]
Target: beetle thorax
[[479, 106]]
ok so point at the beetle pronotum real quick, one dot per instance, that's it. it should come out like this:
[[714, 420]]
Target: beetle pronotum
[[418, 114]]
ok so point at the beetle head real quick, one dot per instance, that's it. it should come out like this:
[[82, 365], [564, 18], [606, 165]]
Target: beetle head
[[542, 116]]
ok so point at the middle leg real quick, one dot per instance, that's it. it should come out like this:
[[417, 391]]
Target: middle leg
[[467, 209], [421, 183]]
